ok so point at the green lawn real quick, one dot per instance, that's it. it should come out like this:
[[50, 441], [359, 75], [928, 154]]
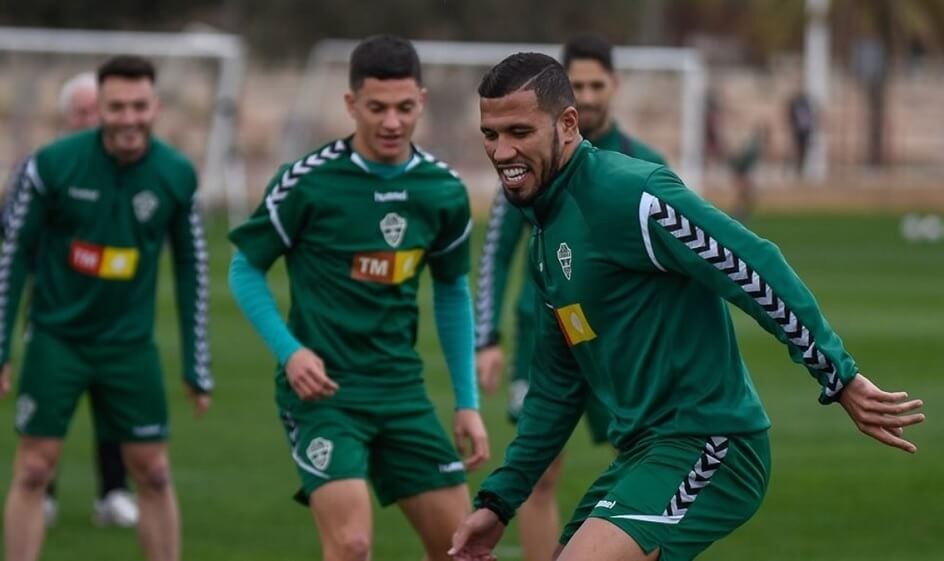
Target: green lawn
[[834, 494]]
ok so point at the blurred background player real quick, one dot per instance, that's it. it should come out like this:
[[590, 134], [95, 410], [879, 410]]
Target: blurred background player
[[588, 60], [78, 107], [89, 218], [357, 221]]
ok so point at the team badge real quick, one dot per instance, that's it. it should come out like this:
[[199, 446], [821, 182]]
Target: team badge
[[25, 407], [393, 226], [564, 257], [145, 203], [319, 452]]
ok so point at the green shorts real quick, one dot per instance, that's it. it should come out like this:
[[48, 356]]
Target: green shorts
[[124, 382], [597, 415], [680, 494], [403, 452]]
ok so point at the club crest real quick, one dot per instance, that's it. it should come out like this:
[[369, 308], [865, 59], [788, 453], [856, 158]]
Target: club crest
[[393, 227], [319, 452], [564, 258], [145, 203]]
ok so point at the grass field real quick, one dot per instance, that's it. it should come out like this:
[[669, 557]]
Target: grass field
[[834, 496]]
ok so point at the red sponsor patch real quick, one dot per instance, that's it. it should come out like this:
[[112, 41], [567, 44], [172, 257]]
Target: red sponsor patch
[[86, 257]]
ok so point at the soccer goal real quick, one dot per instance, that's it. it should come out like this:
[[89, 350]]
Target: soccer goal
[[200, 77], [661, 100]]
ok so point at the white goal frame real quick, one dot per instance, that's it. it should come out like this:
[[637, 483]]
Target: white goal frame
[[223, 179], [687, 62]]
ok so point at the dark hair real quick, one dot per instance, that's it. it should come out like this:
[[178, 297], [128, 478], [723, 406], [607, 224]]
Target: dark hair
[[530, 71], [591, 47], [126, 66], [384, 57]]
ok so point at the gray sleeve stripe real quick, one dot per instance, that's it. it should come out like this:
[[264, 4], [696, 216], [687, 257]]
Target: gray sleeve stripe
[[462, 237], [727, 262], [485, 287]]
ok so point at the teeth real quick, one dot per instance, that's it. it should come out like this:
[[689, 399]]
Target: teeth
[[513, 173]]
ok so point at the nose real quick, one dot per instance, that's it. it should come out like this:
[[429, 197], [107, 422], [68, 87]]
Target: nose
[[505, 150], [390, 120]]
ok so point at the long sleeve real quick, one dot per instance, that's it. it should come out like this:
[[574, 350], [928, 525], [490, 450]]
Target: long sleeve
[[452, 306], [552, 408], [506, 226], [252, 294], [191, 277], [23, 219], [688, 236]]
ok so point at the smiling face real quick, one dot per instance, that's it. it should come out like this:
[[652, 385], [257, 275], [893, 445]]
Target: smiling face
[[127, 109], [527, 145], [594, 87], [385, 113]]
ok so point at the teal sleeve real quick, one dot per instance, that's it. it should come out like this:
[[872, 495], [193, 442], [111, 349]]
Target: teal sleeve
[[689, 236], [506, 225], [249, 288], [552, 407], [452, 305]]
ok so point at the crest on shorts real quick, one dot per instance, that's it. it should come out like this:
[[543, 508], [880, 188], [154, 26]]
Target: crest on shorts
[[25, 407], [319, 452], [393, 226], [145, 203], [564, 257]]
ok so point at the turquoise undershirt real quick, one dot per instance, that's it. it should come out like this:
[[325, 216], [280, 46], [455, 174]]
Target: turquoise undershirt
[[452, 308]]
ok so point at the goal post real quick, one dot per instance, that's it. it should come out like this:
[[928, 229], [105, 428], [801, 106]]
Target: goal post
[[223, 180], [318, 94]]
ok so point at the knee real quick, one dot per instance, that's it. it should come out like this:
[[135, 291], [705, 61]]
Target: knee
[[35, 473], [353, 546], [153, 478]]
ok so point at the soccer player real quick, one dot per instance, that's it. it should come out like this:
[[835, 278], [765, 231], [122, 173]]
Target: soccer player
[[90, 216], [78, 109], [588, 60], [633, 270], [357, 221]]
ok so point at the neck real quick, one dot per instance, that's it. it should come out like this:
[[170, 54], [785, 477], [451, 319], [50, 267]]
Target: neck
[[124, 157], [365, 151], [601, 131]]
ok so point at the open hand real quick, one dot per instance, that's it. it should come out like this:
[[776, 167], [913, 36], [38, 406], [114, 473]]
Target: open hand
[[880, 414]]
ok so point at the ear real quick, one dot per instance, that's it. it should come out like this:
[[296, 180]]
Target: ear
[[422, 101], [567, 124], [349, 103]]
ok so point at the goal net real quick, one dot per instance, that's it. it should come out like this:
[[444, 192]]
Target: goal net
[[660, 101], [199, 81]]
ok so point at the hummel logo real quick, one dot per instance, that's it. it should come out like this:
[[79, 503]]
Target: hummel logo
[[392, 196], [606, 504]]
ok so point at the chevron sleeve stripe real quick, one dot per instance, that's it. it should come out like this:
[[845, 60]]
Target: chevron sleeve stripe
[[503, 233], [753, 275]]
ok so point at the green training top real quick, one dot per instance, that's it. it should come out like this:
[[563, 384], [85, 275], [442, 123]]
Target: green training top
[[634, 269], [92, 230], [354, 246], [506, 228]]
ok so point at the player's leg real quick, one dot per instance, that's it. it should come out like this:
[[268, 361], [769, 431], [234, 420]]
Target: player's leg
[[115, 504], [539, 516], [673, 498], [24, 523], [329, 450], [50, 383], [129, 405], [342, 513], [435, 515], [414, 463], [159, 523]]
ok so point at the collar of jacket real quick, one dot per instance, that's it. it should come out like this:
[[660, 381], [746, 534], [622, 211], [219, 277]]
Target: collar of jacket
[[544, 204]]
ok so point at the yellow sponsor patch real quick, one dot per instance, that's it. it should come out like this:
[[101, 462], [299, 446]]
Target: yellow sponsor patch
[[574, 324], [386, 267], [105, 262]]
